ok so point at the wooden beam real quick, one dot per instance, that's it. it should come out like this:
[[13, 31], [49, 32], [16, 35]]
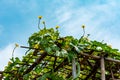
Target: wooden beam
[[98, 57], [86, 57], [85, 54], [102, 63]]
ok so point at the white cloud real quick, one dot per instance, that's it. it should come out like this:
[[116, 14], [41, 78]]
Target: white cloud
[[63, 17], [6, 54], [98, 18]]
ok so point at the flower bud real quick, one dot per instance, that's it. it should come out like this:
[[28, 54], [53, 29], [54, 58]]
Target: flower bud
[[57, 27], [83, 26], [16, 45], [40, 17], [43, 22]]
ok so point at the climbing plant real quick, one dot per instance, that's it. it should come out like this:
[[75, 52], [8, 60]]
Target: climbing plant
[[50, 56]]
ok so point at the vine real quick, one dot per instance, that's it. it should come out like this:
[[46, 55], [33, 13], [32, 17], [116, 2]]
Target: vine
[[50, 56]]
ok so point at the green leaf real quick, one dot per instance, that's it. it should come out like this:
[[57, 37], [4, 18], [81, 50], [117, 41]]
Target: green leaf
[[48, 50]]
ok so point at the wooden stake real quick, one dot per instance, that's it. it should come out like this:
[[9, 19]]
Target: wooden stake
[[112, 75], [1, 75], [102, 68]]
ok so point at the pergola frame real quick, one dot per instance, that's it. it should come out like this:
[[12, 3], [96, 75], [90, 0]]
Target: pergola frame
[[61, 66]]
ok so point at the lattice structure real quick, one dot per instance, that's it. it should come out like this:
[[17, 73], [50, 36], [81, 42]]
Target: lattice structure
[[92, 67], [52, 57]]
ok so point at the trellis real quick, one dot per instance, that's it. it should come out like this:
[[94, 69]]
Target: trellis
[[39, 62], [65, 68]]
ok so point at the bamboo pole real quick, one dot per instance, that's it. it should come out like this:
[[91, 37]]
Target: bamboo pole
[[102, 68]]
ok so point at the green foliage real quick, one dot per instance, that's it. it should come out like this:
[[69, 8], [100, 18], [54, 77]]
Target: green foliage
[[49, 41], [51, 76]]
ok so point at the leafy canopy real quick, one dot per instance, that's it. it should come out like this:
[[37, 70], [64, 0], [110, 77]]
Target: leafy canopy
[[58, 49]]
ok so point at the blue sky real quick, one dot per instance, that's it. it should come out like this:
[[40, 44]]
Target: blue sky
[[19, 18]]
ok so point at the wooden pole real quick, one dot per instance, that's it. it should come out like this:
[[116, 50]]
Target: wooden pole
[[1, 72], [102, 68], [112, 75], [1, 75]]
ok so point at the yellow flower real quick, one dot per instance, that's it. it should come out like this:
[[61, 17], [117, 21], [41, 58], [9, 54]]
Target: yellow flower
[[110, 46], [40, 17], [66, 47], [88, 47], [47, 79], [16, 45], [42, 51], [43, 22], [83, 26], [36, 46], [57, 27], [9, 63]]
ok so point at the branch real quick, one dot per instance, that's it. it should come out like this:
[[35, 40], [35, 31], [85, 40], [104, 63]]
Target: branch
[[112, 75], [94, 70], [35, 63], [65, 62], [27, 47], [54, 63]]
